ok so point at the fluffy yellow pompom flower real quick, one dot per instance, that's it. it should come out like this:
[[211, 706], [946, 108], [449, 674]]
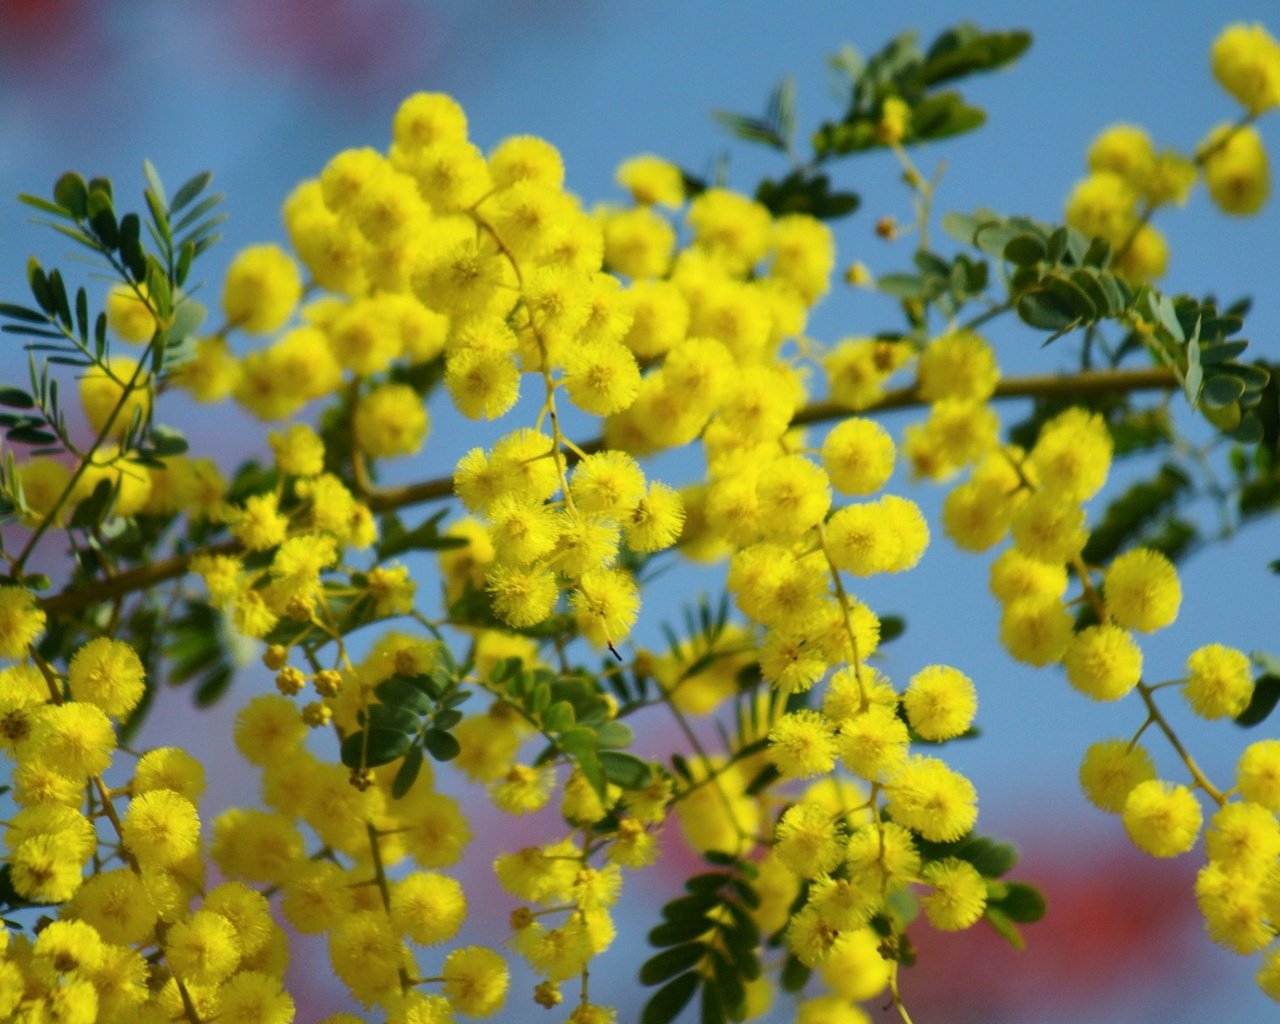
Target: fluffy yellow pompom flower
[[1162, 819], [260, 524], [128, 314], [731, 228], [522, 597], [873, 743], [261, 290], [1049, 528], [802, 745], [976, 514], [607, 483], [1103, 205], [601, 378], [1072, 455], [652, 180], [160, 828], [659, 320], [1013, 575], [169, 768], [483, 383], [932, 799], [638, 243], [428, 907], [656, 521], [940, 702], [1110, 769], [390, 420], [959, 894], [1258, 774], [1236, 169], [1124, 149], [1246, 62], [856, 970], [268, 728], [1036, 630], [1219, 682], [1142, 590], [1146, 259], [107, 673], [426, 118], [1243, 838], [858, 455], [43, 482], [807, 841], [101, 393], [793, 495], [212, 372], [255, 997], [606, 603], [116, 904], [202, 949], [298, 450], [21, 621], [1103, 662], [475, 981], [76, 738], [957, 365]]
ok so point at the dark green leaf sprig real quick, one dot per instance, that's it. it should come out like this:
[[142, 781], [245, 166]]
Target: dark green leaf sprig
[[709, 943]]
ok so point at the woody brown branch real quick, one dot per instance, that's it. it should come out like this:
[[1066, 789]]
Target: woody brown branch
[[1090, 383]]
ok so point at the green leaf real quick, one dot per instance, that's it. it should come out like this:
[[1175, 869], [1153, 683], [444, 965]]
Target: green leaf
[[1023, 903], [1043, 309], [668, 1001], [688, 907], [675, 933], [189, 189], [1004, 927], [670, 962], [154, 183], [43, 205], [625, 770], [963, 227], [16, 398], [963, 51], [22, 313], [614, 735], [901, 286], [407, 773], [944, 115], [749, 129], [441, 745], [795, 975], [559, 717], [1221, 391], [384, 746], [1025, 250], [992, 859], [71, 195], [398, 691], [1266, 694], [390, 717], [578, 741]]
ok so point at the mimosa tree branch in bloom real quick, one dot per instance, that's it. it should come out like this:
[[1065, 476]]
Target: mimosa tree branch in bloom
[[809, 770]]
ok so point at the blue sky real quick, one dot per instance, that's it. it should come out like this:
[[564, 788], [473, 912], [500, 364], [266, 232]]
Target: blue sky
[[264, 97]]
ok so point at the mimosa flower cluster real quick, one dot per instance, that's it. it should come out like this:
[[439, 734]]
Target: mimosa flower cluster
[[677, 318]]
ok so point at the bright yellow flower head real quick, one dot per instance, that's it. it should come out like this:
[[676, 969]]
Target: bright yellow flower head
[[1246, 62]]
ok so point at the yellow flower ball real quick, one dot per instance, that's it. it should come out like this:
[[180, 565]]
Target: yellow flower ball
[[101, 393], [1162, 819], [390, 420], [1142, 590], [1103, 662], [1236, 169], [261, 289], [1219, 681], [129, 315]]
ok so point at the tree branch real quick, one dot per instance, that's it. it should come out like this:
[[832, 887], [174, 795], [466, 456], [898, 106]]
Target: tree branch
[[1075, 385]]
